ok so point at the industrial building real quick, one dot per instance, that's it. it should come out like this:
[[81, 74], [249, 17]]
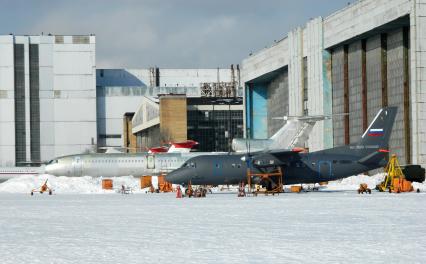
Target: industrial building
[[53, 101], [211, 121], [356, 60], [121, 91], [47, 97]]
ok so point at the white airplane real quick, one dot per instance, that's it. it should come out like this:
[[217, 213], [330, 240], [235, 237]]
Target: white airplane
[[154, 162]]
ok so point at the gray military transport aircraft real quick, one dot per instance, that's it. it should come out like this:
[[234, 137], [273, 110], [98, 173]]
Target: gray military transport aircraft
[[325, 165]]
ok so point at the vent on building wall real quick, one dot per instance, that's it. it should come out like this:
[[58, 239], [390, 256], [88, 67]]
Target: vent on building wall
[[3, 93], [59, 39], [57, 94], [80, 39]]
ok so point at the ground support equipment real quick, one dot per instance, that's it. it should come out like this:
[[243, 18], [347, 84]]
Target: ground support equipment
[[275, 177]]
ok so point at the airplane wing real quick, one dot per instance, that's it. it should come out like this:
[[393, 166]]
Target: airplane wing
[[274, 157]]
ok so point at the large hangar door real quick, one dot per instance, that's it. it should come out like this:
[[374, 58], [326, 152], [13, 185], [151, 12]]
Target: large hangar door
[[277, 101]]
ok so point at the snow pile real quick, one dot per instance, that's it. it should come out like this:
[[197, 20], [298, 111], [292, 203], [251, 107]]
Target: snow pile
[[83, 185], [353, 182], [421, 186]]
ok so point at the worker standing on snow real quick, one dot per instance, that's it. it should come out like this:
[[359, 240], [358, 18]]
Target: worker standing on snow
[[241, 190], [178, 192]]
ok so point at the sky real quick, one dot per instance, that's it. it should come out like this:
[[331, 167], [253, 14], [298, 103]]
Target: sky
[[166, 33]]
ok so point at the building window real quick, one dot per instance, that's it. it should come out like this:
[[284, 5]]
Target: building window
[[59, 39], [109, 136], [80, 39]]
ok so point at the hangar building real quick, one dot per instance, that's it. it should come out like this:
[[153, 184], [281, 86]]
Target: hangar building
[[47, 97], [368, 55]]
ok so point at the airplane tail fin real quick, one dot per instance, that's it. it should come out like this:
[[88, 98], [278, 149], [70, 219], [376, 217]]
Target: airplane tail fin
[[372, 148], [379, 131]]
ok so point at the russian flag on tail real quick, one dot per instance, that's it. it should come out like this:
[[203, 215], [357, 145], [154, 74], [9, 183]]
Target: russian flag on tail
[[375, 132]]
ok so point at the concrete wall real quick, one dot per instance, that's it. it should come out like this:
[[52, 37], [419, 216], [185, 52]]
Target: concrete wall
[[74, 99], [112, 104], [361, 17]]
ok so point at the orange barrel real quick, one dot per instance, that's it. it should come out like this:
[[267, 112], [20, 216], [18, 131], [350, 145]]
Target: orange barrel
[[406, 186], [107, 184], [296, 188], [397, 185], [146, 181], [163, 185]]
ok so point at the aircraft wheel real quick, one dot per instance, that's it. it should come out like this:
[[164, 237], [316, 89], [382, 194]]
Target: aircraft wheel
[[32, 193], [50, 192]]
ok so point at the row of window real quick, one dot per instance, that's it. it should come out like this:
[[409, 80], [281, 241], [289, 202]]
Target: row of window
[[114, 161], [293, 164]]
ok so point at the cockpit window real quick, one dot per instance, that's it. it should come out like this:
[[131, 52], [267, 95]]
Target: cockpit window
[[53, 161], [189, 165]]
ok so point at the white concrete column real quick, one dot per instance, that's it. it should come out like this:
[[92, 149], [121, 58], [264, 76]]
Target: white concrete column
[[418, 81], [295, 53], [314, 53]]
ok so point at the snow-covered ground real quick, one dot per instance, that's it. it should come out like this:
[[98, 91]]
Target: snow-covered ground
[[70, 185], [93, 185], [334, 225]]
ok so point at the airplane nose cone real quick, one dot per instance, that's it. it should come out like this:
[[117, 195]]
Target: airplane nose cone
[[49, 169], [175, 177], [53, 170], [42, 170]]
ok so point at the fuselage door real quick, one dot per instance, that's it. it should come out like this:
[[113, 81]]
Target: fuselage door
[[324, 169], [150, 162], [77, 166], [218, 170]]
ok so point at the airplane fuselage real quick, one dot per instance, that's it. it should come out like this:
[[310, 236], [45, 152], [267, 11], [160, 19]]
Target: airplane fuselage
[[118, 164], [301, 168]]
